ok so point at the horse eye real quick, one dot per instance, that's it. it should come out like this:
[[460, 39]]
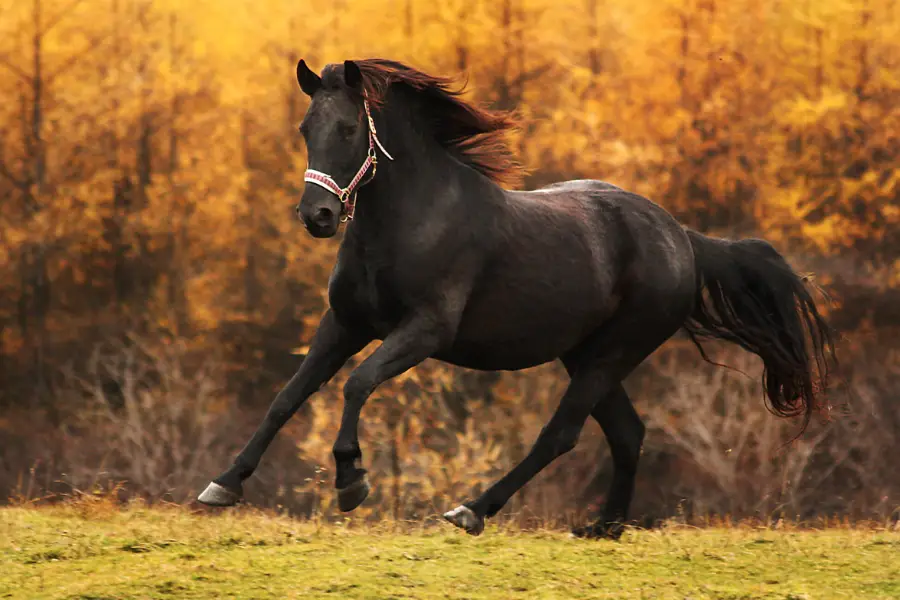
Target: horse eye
[[346, 129]]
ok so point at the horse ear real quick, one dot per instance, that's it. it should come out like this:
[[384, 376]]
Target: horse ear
[[352, 75], [309, 81]]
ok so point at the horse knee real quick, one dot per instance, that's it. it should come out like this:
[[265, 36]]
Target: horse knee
[[281, 408], [567, 443], [562, 440], [357, 388]]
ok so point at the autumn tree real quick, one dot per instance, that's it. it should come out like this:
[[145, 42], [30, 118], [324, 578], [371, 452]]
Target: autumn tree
[[150, 163]]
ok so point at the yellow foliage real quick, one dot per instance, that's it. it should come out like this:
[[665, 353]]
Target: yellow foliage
[[150, 160]]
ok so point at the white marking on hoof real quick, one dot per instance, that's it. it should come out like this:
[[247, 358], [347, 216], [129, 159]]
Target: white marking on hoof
[[464, 518], [217, 495]]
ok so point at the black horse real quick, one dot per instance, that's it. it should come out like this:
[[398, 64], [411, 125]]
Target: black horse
[[439, 261]]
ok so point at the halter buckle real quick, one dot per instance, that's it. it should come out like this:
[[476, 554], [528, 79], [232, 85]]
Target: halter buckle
[[347, 207]]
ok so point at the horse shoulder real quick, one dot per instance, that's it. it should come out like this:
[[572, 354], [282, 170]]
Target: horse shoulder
[[347, 294]]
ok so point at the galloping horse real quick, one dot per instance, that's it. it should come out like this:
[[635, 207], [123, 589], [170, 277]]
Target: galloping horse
[[439, 261]]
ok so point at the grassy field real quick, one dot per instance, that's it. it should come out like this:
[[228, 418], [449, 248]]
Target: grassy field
[[97, 551]]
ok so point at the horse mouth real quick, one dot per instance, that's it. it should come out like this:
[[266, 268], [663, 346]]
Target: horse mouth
[[321, 231]]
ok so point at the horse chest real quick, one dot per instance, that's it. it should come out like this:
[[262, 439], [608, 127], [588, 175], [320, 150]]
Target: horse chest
[[364, 296]]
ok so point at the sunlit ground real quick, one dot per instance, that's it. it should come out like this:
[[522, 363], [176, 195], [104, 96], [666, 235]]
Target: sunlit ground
[[95, 550]]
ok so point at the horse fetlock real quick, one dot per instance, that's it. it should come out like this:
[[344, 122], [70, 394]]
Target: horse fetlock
[[346, 454]]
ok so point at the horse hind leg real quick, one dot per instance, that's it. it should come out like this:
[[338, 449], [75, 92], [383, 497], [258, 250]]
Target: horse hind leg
[[597, 367], [597, 371], [624, 433], [558, 436]]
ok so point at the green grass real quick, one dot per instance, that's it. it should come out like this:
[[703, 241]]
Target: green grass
[[96, 551]]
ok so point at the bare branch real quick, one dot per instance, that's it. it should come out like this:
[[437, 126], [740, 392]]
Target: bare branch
[[527, 76], [4, 61], [73, 60], [22, 185], [59, 16]]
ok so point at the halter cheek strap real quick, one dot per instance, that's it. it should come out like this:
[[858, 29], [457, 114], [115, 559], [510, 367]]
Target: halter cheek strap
[[347, 194]]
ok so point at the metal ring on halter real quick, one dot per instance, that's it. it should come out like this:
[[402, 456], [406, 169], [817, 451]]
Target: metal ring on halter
[[346, 207]]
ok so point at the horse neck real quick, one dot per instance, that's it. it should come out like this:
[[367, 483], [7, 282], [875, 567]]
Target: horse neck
[[421, 182]]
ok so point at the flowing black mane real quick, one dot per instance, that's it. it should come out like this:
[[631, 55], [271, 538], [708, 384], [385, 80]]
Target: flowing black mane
[[477, 136]]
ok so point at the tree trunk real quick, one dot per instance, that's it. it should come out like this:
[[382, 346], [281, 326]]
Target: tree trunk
[[863, 69], [178, 235], [503, 88], [594, 35], [252, 292], [35, 252], [408, 25], [462, 38]]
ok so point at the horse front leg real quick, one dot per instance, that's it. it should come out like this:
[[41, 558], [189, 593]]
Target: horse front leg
[[331, 348], [412, 342]]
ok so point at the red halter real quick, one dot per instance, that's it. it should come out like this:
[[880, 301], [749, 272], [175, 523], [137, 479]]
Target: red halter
[[347, 195]]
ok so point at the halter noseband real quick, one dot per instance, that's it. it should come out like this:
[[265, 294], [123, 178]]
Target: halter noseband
[[347, 195]]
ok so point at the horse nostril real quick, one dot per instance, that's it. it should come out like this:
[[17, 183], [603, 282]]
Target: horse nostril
[[323, 216]]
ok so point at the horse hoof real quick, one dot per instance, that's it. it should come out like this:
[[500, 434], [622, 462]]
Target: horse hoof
[[217, 495], [608, 531], [464, 518], [353, 495]]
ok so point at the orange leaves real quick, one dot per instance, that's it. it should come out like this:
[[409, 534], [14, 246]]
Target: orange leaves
[[802, 111], [769, 116]]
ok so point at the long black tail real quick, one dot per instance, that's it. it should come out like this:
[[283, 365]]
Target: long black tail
[[749, 295]]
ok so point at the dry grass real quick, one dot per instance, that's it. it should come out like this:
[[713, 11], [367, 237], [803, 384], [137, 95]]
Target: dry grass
[[144, 418], [93, 547]]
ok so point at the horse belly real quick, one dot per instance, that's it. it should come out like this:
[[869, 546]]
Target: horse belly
[[511, 331], [487, 356]]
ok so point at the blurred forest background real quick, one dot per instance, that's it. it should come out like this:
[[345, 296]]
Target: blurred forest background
[[156, 288]]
